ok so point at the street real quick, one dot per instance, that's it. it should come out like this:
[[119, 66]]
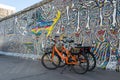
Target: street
[[14, 68]]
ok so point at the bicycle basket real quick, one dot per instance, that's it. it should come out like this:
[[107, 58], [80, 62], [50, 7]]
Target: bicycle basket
[[48, 50]]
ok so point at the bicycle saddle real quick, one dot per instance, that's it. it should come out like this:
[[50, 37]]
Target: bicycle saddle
[[70, 40], [76, 44]]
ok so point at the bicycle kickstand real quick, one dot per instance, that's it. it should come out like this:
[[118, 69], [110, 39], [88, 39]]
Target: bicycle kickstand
[[67, 66]]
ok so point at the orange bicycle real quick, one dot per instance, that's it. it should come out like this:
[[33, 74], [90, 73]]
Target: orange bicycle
[[77, 61]]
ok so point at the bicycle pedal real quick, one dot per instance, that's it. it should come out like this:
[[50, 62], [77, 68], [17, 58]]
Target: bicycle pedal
[[70, 60]]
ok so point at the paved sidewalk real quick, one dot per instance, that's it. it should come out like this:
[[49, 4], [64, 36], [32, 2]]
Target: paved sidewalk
[[16, 68]]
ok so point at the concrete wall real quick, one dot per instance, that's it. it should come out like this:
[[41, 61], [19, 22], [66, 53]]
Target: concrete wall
[[92, 23]]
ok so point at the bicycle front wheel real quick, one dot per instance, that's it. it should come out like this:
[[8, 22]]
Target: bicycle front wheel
[[50, 62], [83, 64]]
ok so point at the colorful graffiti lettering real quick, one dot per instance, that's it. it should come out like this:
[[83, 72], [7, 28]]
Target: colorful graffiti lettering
[[46, 25]]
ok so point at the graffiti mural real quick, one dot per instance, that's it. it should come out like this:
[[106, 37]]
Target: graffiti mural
[[88, 22]]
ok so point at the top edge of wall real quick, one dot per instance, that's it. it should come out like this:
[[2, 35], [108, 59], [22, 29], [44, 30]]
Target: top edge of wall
[[27, 9]]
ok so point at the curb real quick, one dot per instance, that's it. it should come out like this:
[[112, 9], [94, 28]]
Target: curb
[[26, 56]]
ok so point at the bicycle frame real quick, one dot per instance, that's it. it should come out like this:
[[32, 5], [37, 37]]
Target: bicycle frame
[[65, 58]]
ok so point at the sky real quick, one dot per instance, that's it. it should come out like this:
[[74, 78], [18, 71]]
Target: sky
[[19, 4]]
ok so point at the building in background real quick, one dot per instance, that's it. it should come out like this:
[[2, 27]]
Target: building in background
[[6, 10]]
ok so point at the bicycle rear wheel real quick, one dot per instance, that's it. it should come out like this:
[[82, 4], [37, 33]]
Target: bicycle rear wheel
[[50, 62], [92, 61], [83, 64]]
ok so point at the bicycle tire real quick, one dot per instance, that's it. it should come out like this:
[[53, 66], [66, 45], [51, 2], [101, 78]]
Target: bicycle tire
[[92, 61], [47, 63], [78, 68]]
